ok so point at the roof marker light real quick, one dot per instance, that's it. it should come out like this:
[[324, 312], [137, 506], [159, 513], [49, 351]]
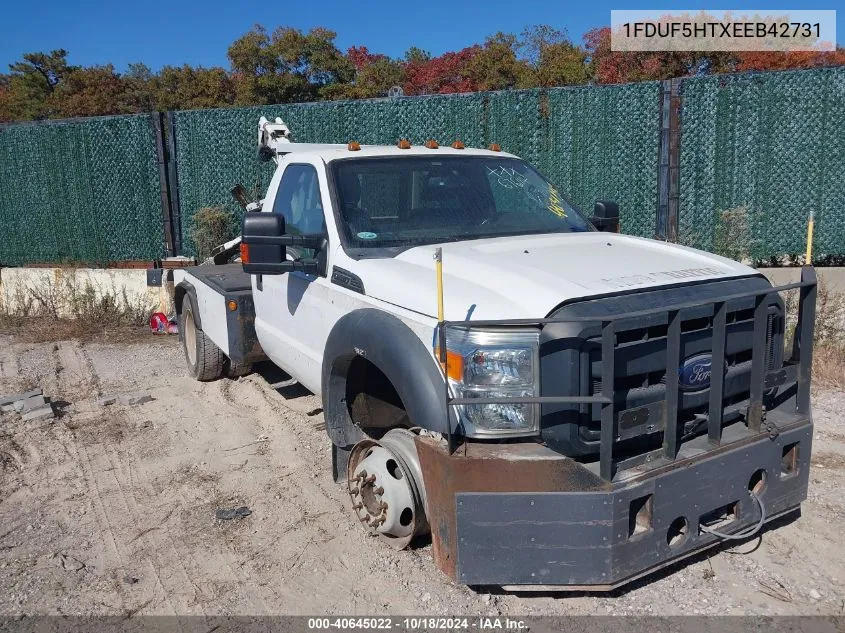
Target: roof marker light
[[459, 144], [404, 144], [431, 144], [495, 147], [353, 146]]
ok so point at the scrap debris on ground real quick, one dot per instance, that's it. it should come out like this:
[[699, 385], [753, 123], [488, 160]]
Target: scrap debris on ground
[[112, 508], [31, 405]]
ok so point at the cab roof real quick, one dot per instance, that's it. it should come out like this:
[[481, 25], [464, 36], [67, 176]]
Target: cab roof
[[328, 153]]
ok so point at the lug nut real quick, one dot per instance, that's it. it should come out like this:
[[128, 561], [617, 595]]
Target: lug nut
[[358, 506], [370, 479], [379, 490], [353, 491]]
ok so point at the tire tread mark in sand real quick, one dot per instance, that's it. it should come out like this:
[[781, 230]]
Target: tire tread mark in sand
[[111, 551], [327, 526], [10, 368], [152, 542], [157, 539], [76, 373]]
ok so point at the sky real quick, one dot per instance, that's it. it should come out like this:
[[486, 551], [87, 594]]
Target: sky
[[198, 33]]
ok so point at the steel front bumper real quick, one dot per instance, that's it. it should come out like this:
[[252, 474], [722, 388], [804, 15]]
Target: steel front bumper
[[519, 514]]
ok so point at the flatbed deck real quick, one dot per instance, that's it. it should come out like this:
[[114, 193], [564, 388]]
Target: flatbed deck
[[218, 290]]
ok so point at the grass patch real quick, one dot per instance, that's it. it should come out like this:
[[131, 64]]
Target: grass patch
[[829, 348], [54, 310], [211, 227]]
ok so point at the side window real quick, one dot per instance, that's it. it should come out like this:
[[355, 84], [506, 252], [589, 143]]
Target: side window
[[298, 199]]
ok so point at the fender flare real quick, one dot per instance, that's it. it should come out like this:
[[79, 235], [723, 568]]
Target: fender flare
[[391, 346], [182, 290]]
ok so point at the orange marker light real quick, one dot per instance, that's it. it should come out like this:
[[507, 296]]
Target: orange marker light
[[353, 146], [431, 144], [404, 144], [232, 305], [244, 253], [495, 147], [454, 364], [458, 145]]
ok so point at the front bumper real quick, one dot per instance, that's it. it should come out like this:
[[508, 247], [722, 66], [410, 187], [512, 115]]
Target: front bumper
[[522, 515]]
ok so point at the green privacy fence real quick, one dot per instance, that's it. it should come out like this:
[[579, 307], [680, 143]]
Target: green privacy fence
[[591, 142], [80, 191], [758, 153], [737, 170]]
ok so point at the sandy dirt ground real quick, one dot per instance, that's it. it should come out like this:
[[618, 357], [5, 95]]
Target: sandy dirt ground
[[111, 509]]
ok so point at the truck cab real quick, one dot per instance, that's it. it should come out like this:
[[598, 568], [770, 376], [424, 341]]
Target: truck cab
[[557, 405]]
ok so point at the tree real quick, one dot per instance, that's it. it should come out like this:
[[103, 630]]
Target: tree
[[33, 80], [6, 113], [775, 60], [189, 88], [448, 73], [374, 75], [92, 91], [287, 66], [554, 59], [495, 65], [607, 66], [415, 55], [534, 39], [138, 90]]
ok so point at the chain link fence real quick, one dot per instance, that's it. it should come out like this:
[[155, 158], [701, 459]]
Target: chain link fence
[[84, 190], [757, 153], [593, 143]]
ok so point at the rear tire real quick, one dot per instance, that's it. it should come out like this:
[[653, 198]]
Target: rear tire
[[204, 359], [236, 370]]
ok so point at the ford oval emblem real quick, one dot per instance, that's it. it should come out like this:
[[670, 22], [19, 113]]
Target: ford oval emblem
[[695, 372]]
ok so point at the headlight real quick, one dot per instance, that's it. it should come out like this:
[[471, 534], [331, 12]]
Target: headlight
[[495, 364]]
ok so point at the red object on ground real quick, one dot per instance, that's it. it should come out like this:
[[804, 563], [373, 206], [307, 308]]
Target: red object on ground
[[159, 323]]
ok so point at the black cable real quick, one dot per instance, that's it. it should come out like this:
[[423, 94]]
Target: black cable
[[746, 533]]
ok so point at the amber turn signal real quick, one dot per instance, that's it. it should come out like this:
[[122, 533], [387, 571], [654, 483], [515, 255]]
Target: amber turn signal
[[244, 253], [232, 305], [454, 365]]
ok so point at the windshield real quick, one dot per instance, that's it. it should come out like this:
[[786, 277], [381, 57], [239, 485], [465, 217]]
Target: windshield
[[385, 202]]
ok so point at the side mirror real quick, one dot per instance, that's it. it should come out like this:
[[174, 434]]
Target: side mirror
[[606, 216], [264, 246], [263, 250]]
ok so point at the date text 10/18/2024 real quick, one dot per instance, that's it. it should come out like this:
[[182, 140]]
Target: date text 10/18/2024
[[418, 623]]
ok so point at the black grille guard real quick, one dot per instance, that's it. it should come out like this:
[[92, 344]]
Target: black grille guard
[[795, 371]]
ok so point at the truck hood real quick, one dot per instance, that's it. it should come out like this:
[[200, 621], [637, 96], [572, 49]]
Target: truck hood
[[528, 277]]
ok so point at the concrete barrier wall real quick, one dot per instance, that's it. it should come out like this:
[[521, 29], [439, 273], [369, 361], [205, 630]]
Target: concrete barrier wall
[[58, 286], [53, 284], [832, 278]]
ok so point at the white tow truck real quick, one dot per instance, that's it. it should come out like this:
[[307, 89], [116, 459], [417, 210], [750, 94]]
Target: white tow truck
[[558, 404]]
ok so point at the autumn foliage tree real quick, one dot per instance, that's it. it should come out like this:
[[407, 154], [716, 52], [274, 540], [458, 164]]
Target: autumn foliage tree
[[607, 66], [290, 65]]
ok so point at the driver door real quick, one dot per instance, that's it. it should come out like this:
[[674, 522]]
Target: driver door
[[290, 308]]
